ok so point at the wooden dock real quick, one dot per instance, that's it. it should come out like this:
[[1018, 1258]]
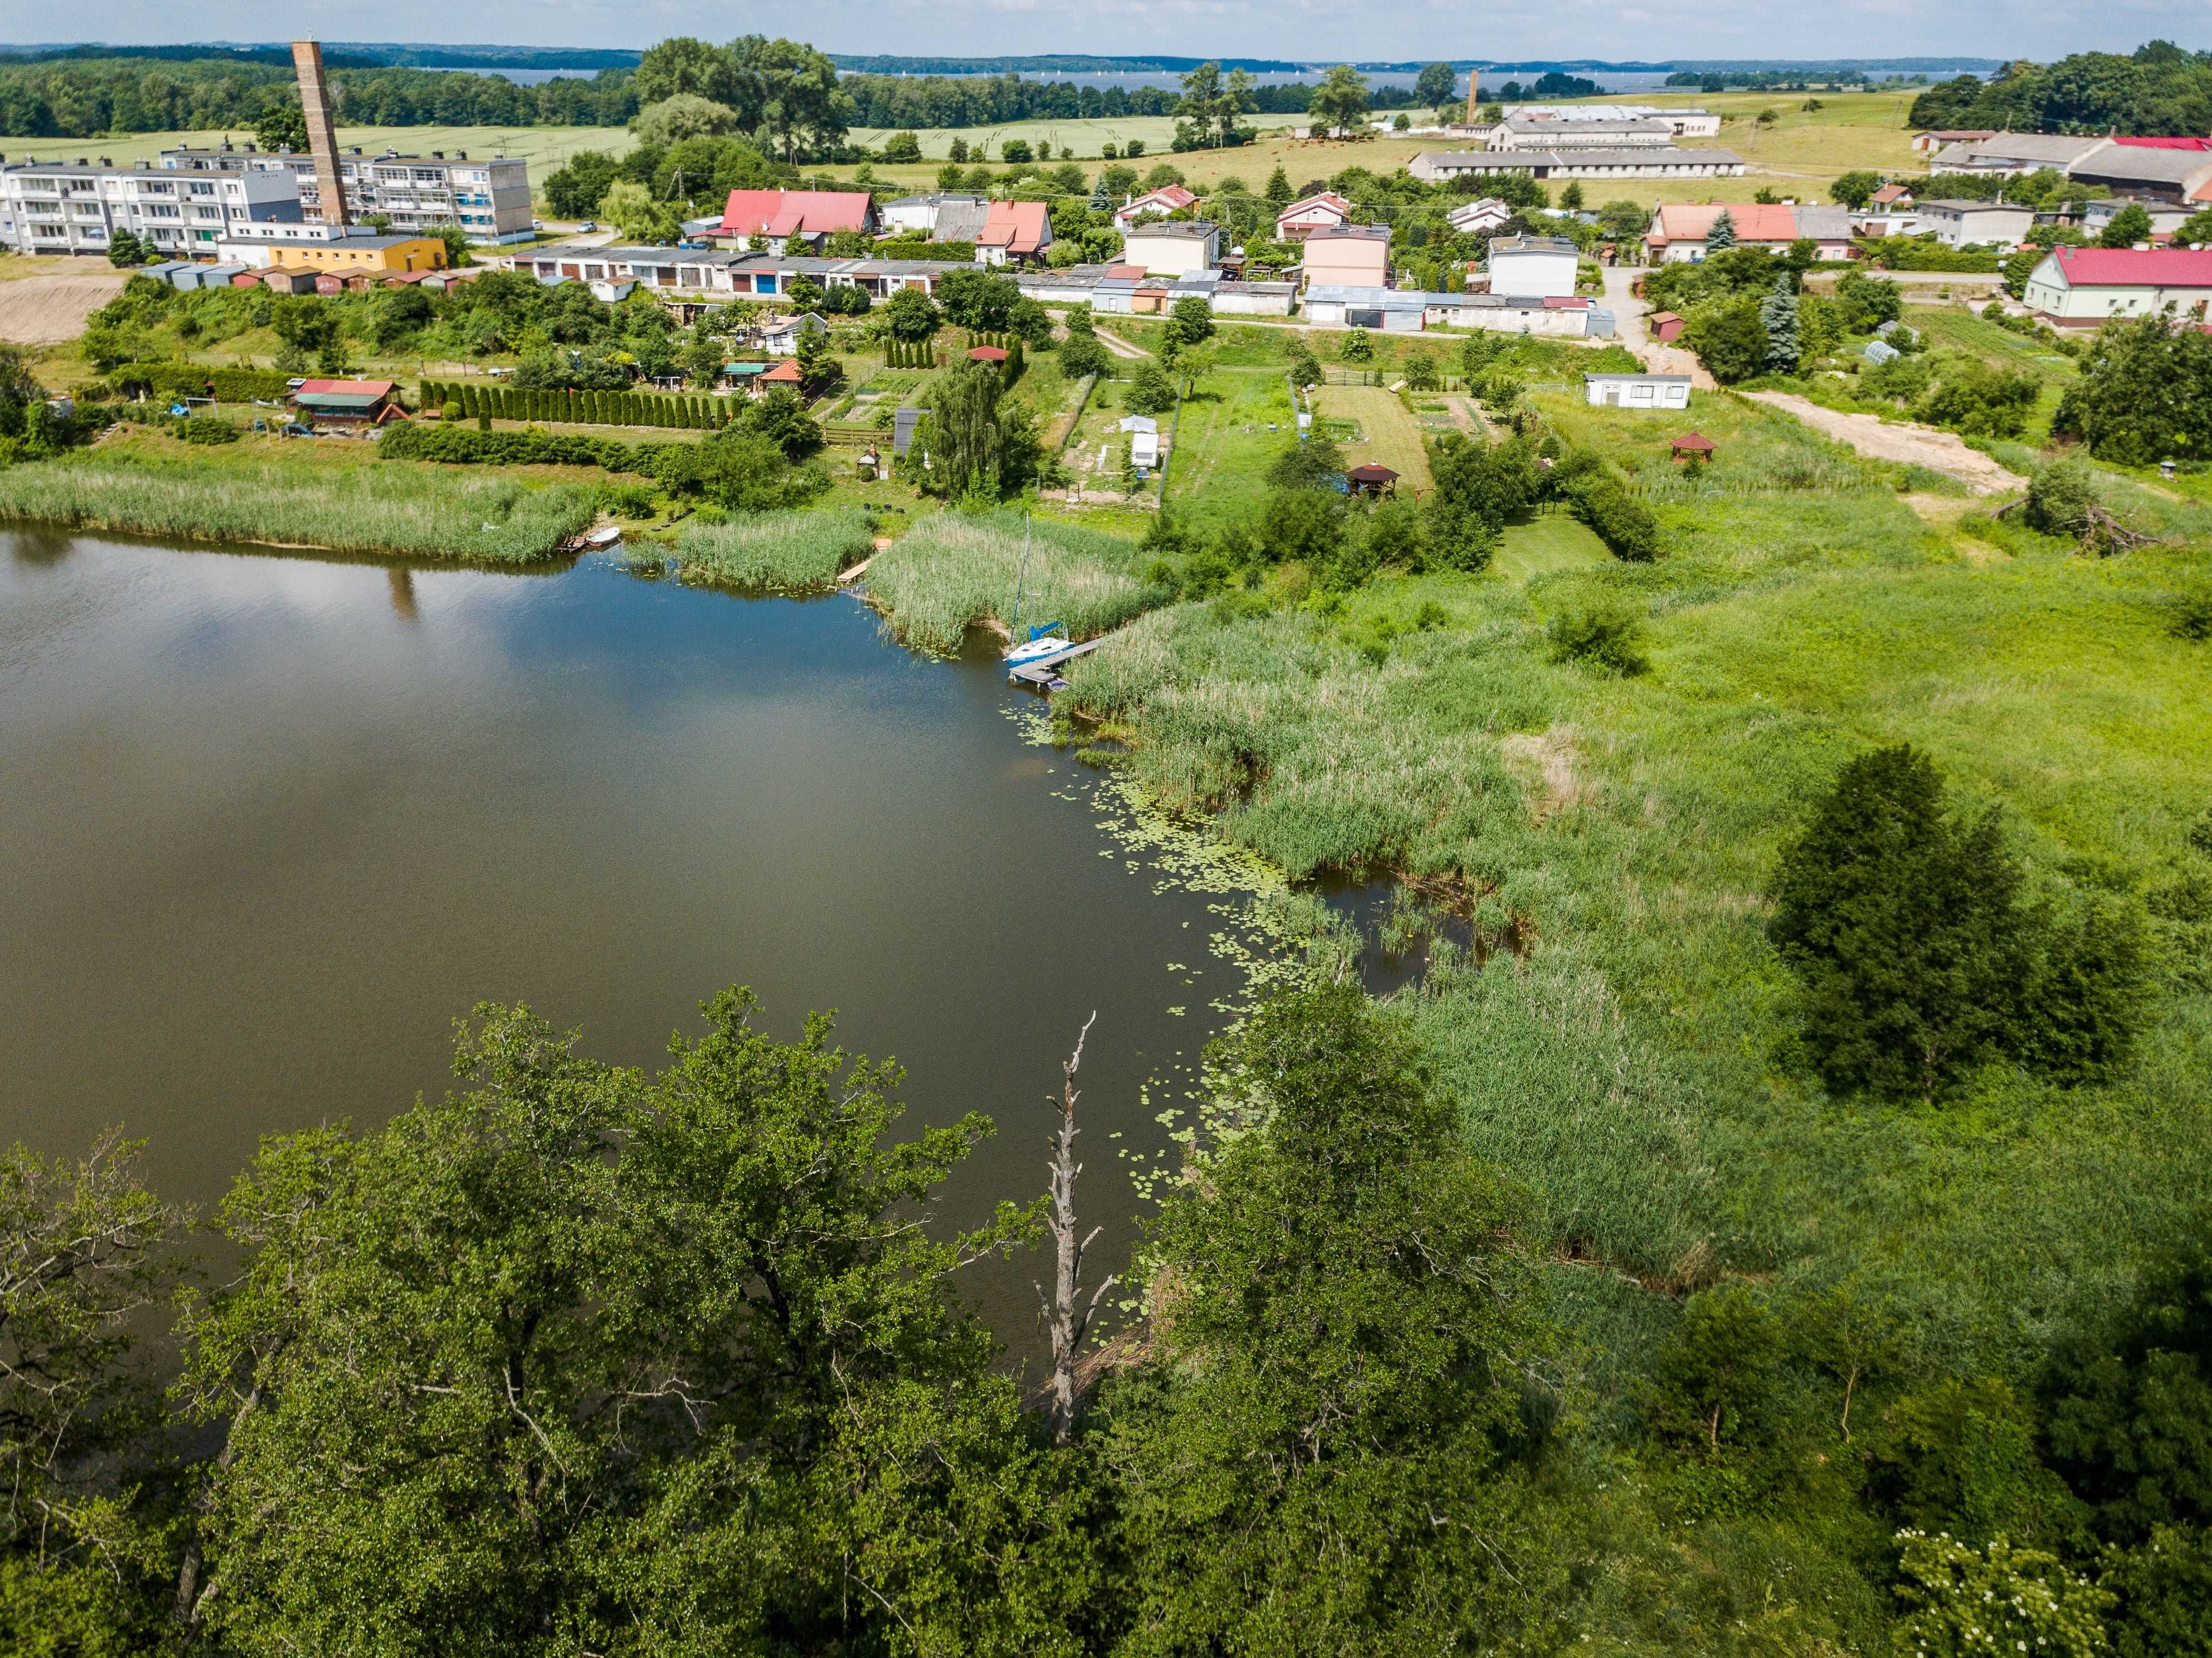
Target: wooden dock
[[1042, 674]]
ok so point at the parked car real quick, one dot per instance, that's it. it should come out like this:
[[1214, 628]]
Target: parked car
[[588, 226]]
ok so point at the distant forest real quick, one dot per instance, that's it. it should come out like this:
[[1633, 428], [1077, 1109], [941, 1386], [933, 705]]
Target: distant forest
[[71, 97], [80, 98], [2158, 89]]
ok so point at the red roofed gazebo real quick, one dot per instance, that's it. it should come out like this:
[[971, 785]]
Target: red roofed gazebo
[[986, 353], [1694, 446], [1370, 479]]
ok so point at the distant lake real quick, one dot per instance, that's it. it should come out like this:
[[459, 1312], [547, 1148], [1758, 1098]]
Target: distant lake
[[1643, 81], [271, 823]]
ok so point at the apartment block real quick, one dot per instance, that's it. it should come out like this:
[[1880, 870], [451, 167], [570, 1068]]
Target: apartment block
[[77, 207], [488, 199]]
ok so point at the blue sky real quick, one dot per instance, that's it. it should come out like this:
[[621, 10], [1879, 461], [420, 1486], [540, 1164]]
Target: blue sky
[[1365, 29]]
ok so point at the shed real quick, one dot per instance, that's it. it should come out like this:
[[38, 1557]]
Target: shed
[[1371, 480], [903, 421], [348, 403], [329, 282], [1694, 446], [1666, 327], [282, 279]]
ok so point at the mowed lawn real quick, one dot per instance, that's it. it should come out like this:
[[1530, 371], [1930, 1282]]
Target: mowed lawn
[[1222, 445], [1390, 436]]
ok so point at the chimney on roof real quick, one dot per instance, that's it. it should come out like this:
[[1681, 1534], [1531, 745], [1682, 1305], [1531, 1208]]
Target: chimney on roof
[[322, 134]]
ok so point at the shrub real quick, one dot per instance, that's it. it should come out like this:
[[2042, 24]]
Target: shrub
[[1599, 498], [2061, 498], [2190, 613], [1609, 636], [206, 432]]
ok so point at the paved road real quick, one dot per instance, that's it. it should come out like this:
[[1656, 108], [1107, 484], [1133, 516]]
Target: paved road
[[1628, 314]]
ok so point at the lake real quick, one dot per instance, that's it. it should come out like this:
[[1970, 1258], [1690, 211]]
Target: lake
[[271, 823]]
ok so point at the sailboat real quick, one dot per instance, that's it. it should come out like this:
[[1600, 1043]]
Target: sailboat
[[1048, 640]]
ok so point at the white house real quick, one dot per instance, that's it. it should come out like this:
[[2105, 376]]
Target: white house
[[1144, 439], [921, 214], [1476, 216], [1656, 162], [1171, 247], [1976, 224], [1302, 218], [1532, 267], [1610, 390], [2083, 287], [1517, 132]]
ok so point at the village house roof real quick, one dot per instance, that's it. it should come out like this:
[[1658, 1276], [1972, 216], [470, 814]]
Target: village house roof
[[1754, 221], [795, 212], [2163, 144], [1528, 244], [1168, 198], [784, 374], [2135, 267], [1017, 227], [1350, 233], [343, 394], [962, 220], [1889, 193], [1327, 198]]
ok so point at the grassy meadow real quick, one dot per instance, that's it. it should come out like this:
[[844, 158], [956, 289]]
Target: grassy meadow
[[1610, 838]]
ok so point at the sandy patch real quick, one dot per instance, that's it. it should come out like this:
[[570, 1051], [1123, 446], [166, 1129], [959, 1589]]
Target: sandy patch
[[47, 310], [1903, 443]]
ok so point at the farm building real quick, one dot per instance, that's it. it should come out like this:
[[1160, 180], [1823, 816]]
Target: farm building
[[1630, 390]]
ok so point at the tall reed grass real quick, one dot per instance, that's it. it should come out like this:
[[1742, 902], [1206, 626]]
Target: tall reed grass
[[951, 572], [420, 513], [795, 550]]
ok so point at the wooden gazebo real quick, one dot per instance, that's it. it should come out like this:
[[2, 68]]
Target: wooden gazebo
[[1371, 480], [1693, 446]]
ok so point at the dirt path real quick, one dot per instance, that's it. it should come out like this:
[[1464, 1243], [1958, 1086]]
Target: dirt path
[[1628, 314], [1913, 446], [1117, 345], [47, 310]]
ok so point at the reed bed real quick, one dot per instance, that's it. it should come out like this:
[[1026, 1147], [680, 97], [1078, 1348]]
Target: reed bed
[[421, 515], [797, 551], [951, 573]]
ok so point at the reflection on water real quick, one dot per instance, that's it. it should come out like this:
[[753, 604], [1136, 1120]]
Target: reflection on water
[[271, 824]]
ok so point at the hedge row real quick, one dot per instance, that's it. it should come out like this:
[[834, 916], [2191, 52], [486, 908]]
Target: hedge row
[[193, 379], [909, 354], [463, 445], [1624, 523], [579, 408]]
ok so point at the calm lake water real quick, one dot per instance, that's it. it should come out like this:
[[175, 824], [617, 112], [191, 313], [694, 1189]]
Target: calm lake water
[[270, 823]]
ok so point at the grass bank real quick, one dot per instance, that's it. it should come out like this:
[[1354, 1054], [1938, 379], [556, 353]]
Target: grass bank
[[1617, 1051], [795, 550], [255, 492], [951, 573]]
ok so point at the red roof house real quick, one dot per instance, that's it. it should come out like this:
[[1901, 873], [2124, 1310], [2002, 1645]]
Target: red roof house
[[2085, 287], [784, 374], [1168, 198], [1302, 218], [1014, 230], [808, 215], [1892, 196], [2165, 143]]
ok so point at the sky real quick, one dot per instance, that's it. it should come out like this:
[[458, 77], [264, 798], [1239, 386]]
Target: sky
[[1366, 30]]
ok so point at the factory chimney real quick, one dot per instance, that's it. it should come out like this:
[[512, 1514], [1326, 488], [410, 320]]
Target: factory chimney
[[1473, 76], [322, 135]]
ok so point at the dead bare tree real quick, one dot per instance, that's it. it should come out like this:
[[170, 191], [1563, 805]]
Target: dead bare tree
[[1070, 1322]]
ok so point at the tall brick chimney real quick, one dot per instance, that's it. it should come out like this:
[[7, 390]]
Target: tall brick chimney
[[322, 134], [1473, 75]]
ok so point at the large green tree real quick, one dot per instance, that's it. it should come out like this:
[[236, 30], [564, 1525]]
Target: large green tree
[[579, 1359], [2144, 393], [1325, 1453], [1339, 100]]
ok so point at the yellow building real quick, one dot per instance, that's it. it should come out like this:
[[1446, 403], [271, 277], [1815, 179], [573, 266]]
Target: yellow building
[[380, 254]]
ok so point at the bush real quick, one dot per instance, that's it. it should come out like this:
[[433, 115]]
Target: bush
[[1609, 636], [206, 432], [192, 380], [1599, 498], [2190, 613], [2061, 498], [2144, 393]]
